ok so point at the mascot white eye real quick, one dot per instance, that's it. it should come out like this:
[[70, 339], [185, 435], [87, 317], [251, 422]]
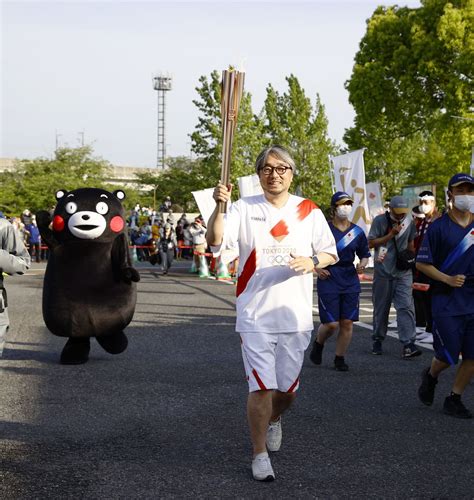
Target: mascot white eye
[[102, 208], [71, 207]]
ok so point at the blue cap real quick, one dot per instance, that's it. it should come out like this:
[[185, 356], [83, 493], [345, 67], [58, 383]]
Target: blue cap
[[399, 205], [339, 198], [458, 179]]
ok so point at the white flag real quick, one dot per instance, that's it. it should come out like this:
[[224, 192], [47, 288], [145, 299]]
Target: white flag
[[249, 185], [205, 202], [349, 176], [374, 199]]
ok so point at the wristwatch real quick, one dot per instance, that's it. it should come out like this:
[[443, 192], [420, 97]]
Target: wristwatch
[[315, 261]]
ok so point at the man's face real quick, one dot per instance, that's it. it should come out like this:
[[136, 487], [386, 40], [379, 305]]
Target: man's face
[[397, 217], [274, 183]]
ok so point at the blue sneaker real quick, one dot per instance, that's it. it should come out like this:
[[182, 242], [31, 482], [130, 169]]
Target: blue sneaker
[[377, 347]]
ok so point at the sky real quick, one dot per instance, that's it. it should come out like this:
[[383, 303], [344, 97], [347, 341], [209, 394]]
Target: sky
[[73, 70]]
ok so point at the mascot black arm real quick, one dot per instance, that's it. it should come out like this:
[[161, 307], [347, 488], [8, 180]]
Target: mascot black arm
[[43, 219], [121, 264]]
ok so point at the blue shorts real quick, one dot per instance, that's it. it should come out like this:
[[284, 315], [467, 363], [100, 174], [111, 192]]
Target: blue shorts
[[336, 306], [453, 335]]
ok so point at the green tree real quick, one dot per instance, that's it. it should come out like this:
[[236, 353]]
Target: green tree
[[182, 176], [292, 122], [206, 140], [412, 77], [34, 183]]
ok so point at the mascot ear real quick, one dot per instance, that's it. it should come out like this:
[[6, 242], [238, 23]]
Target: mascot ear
[[119, 194], [61, 194]]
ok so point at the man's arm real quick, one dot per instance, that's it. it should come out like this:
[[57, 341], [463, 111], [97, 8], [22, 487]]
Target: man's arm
[[432, 272], [14, 257], [215, 226]]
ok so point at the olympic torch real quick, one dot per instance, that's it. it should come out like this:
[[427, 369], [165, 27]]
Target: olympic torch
[[232, 89]]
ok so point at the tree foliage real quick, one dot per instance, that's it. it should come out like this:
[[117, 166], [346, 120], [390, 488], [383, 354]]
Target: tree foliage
[[412, 91], [34, 183], [182, 176], [206, 140], [287, 119], [292, 122]]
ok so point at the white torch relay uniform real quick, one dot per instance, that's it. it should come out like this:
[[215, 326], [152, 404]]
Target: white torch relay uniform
[[274, 303]]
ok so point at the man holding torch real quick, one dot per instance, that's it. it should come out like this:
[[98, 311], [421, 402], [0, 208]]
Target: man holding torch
[[281, 239]]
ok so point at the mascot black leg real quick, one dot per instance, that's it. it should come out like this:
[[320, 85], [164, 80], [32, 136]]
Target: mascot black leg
[[113, 344], [76, 351]]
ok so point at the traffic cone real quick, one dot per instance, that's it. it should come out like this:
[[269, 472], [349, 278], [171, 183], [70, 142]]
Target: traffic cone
[[134, 254], [222, 271], [203, 267]]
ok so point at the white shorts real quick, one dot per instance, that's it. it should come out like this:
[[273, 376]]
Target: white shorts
[[274, 360]]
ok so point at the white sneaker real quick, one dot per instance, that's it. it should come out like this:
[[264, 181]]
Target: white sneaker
[[420, 330], [274, 435], [262, 468]]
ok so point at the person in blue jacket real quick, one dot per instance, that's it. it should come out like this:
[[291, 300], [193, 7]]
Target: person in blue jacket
[[446, 256], [338, 285]]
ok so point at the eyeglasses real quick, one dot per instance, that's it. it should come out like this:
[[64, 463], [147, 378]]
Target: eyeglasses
[[279, 169]]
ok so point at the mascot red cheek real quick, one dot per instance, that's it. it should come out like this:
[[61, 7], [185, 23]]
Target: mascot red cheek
[[90, 285]]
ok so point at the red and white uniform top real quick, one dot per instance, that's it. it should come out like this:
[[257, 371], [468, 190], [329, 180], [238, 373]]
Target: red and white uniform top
[[272, 298]]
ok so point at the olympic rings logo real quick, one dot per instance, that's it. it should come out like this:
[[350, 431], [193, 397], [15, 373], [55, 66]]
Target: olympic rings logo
[[279, 260]]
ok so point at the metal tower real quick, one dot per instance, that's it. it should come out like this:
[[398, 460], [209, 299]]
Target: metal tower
[[162, 84]]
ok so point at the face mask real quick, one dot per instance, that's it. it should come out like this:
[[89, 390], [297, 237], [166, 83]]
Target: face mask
[[343, 211], [425, 208], [463, 202]]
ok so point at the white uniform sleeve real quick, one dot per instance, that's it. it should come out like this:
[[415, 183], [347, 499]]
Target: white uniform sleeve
[[323, 239], [230, 240]]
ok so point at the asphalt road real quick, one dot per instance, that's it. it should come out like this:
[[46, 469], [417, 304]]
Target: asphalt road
[[166, 419]]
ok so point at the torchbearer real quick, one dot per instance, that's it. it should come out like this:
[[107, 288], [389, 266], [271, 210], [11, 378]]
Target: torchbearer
[[280, 239]]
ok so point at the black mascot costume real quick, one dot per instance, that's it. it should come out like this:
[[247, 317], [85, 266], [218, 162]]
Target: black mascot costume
[[89, 286]]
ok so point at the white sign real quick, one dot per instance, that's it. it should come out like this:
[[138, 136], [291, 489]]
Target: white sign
[[249, 185], [349, 176], [205, 202]]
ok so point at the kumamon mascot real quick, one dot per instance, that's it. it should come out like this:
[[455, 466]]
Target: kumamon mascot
[[89, 287]]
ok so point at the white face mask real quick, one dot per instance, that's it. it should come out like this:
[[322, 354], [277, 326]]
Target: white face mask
[[464, 202], [343, 211], [424, 209]]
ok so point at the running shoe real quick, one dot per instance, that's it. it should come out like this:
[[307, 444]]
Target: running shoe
[[340, 364], [316, 355], [454, 406], [262, 468], [427, 387], [274, 435], [410, 351], [377, 347]]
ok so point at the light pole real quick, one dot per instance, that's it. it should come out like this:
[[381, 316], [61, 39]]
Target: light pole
[[162, 84]]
